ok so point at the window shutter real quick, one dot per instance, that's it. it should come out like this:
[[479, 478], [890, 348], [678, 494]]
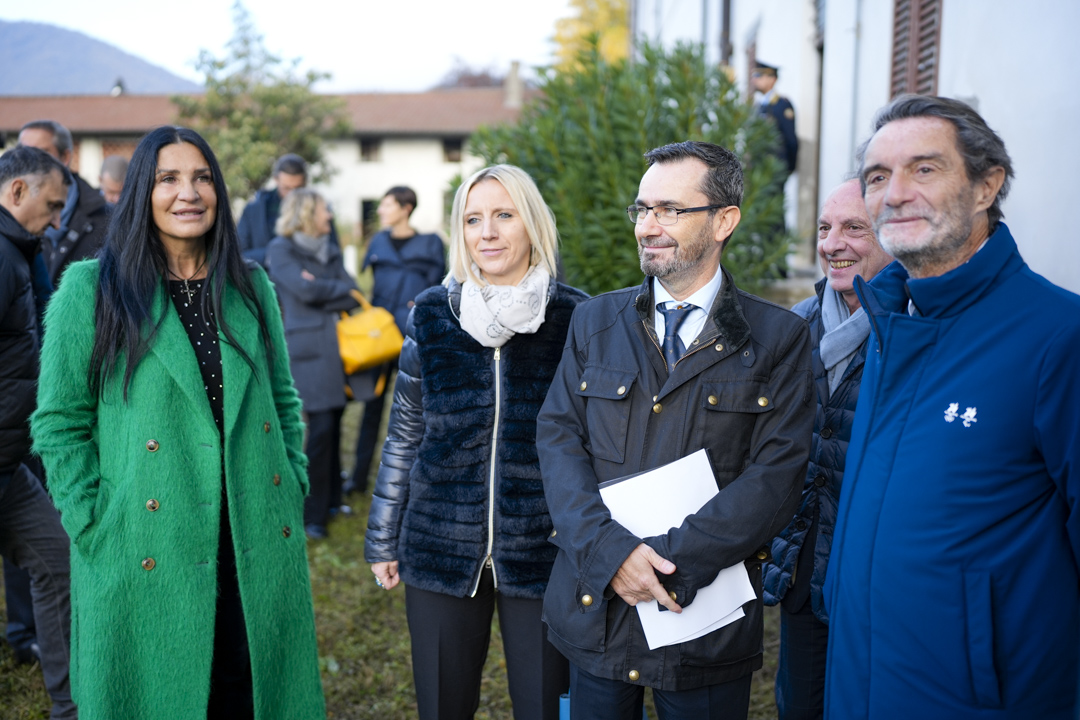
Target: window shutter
[[916, 47]]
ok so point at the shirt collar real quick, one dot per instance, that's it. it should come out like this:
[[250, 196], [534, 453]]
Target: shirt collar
[[703, 298]]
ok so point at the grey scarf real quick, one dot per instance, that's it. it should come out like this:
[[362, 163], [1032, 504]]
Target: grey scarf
[[317, 246], [844, 333]]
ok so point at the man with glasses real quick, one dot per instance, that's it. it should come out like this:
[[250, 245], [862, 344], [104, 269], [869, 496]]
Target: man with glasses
[[649, 375]]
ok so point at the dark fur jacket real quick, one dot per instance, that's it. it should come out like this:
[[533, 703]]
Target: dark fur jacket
[[431, 509]]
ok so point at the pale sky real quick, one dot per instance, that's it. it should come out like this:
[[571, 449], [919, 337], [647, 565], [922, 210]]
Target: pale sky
[[366, 45]]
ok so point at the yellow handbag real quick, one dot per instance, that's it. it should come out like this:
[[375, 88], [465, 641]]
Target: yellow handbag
[[368, 338]]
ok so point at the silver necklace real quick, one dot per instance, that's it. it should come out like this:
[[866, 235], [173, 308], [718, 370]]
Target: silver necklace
[[187, 290]]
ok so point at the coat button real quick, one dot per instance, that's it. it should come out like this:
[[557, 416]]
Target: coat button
[[152, 445], [633, 675], [621, 390], [719, 347], [673, 596], [654, 397], [657, 408], [286, 531], [584, 385], [266, 427], [152, 505], [277, 479], [800, 524], [586, 600], [826, 433], [713, 400], [762, 554], [819, 480], [763, 401], [554, 532], [148, 564]]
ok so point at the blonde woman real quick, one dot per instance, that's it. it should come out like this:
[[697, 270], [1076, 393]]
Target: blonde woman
[[314, 288], [458, 511]]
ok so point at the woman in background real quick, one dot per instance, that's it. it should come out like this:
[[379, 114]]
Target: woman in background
[[171, 433], [458, 511], [314, 288], [404, 263]]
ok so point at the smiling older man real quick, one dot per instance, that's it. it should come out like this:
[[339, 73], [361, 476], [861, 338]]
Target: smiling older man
[[839, 328], [954, 590]]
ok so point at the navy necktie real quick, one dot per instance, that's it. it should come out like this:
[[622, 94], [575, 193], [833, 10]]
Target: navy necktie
[[673, 345]]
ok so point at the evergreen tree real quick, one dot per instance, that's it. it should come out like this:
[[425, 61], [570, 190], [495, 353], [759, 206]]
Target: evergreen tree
[[583, 137], [257, 107]]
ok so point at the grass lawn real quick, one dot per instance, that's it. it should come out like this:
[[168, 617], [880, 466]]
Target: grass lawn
[[364, 639]]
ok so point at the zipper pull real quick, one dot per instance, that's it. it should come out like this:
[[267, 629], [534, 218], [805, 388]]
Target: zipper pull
[[487, 562], [497, 353]]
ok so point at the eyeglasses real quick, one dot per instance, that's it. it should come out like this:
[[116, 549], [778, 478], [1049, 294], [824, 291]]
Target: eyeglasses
[[664, 214]]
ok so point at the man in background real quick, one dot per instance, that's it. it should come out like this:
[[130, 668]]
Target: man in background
[[777, 108], [111, 180], [85, 218], [256, 226], [33, 192]]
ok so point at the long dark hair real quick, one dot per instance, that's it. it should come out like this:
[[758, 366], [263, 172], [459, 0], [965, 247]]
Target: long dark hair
[[133, 266]]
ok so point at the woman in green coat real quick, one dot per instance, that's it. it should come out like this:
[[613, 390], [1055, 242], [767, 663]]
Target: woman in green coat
[[172, 438]]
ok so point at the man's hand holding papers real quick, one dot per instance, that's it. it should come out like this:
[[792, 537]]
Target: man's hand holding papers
[[636, 580]]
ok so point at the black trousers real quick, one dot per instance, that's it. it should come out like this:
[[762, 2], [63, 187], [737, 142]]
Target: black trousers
[[324, 465], [450, 638], [800, 677], [595, 698], [369, 433]]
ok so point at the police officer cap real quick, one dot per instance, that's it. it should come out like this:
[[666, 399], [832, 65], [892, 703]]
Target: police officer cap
[[766, 69]]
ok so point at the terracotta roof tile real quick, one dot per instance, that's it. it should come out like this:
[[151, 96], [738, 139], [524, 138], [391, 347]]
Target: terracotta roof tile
[[457, 111]]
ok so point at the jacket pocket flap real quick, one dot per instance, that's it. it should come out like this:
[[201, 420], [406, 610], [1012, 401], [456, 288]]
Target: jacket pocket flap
[[744, 396], [605, 383]]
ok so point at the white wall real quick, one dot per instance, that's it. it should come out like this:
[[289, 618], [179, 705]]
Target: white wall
[[91, 156], [1017, 61], [416, 162]]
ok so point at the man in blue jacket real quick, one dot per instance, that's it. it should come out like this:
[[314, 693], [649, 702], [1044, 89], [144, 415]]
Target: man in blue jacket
[[651, 374], [953, 589]]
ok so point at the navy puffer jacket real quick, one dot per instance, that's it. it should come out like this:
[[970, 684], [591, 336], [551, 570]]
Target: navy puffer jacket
[[792, 575]]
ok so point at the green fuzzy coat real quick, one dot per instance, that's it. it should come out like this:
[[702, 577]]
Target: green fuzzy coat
[[144, 574]]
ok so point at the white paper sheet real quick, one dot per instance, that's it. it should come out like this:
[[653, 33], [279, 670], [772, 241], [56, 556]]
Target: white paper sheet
[[653, 503]]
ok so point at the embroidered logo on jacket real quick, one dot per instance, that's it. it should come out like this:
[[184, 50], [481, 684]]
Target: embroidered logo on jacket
[[952, 413]]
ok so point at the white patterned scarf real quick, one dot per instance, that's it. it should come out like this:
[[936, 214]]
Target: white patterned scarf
[[493, 314]]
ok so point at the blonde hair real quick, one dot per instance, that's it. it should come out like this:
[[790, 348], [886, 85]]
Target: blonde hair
[[298, 213], [535, 214]]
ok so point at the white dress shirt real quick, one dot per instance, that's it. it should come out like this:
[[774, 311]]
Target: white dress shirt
[[702, 300]]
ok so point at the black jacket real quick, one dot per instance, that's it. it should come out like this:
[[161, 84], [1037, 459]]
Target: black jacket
[[744, 392], [20, 340], [402, 275], [311, 310], [783, 116], [86, 232], [430, 510], [813, 524]]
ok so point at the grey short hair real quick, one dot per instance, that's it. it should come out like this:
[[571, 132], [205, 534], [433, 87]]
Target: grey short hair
[[23, 161], [981, 148], [290, 164], [115, 166], [61, 135]]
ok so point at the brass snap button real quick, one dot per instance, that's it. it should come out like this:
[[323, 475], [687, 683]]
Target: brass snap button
[[277, 479], [584, 385], [713, 400], [657, 408], [586, 600], [621, 390], [286, 531], [633, 675], [719, 347], [266, 427], [152, 505], [148, 564], [763, 401], [152, 445]]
